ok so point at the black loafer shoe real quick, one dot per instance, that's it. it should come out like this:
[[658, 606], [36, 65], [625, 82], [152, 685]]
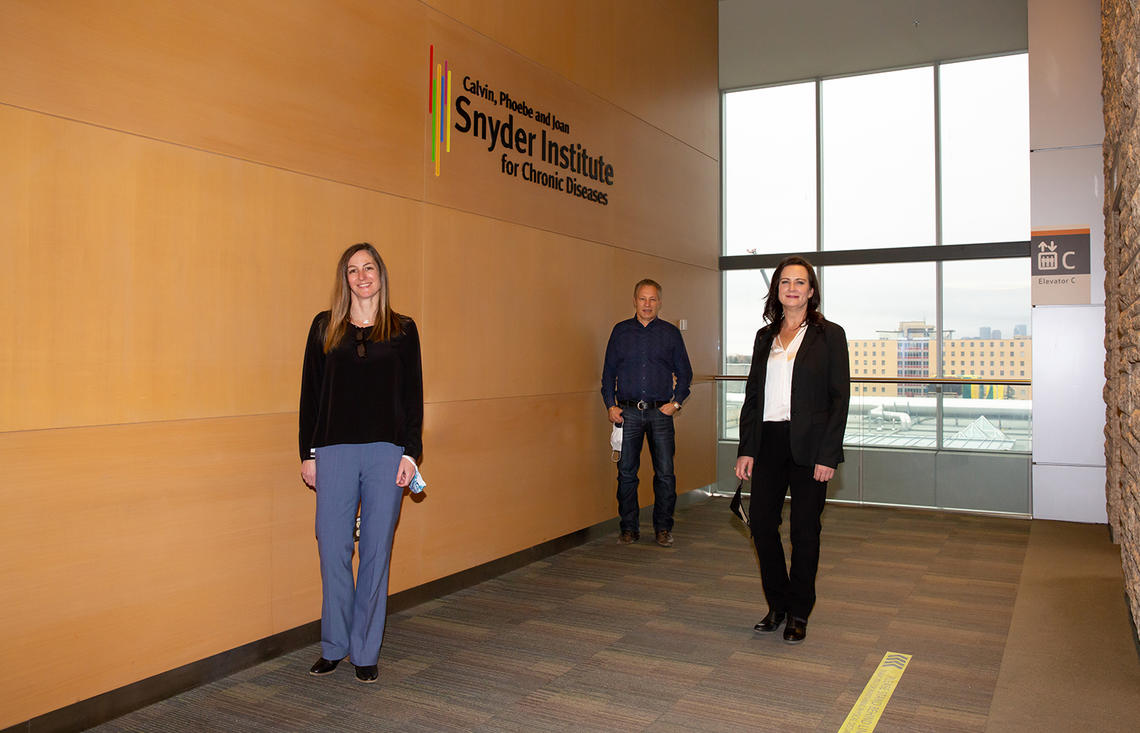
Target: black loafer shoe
[[770, 623], [796, 630], [323, 666], [628, 537], [367, 674]]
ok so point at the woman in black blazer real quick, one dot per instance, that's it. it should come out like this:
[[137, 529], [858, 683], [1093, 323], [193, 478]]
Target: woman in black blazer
[[791, 434]]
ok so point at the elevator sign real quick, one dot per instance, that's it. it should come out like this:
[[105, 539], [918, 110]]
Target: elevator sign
[[1061, 267]]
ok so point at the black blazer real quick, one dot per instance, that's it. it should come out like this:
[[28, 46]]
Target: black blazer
[[821, 391]]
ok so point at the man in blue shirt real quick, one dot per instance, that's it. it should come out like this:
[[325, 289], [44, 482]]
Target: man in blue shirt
[[645, 380]]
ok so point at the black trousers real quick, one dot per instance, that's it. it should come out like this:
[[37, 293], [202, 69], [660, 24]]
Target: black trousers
[[773, 473]]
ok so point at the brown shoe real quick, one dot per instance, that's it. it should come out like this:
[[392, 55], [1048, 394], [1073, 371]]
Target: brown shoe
[[664, 538], [628, 537]]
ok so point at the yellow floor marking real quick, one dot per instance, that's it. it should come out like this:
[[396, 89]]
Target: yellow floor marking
[[864, 716]]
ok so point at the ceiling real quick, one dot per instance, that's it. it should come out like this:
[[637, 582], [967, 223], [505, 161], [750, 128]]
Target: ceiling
[[770, 41]]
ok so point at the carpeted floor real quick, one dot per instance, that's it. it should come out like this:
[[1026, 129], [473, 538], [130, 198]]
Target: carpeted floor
[[636, 638], [1068, 657]]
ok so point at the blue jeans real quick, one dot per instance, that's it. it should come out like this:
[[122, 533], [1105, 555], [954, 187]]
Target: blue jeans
[[658, 427]]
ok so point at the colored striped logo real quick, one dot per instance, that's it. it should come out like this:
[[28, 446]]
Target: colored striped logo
[[439, 107]]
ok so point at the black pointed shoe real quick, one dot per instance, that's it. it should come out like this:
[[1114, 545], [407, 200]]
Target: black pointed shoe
[[796, 630], [770, 623], [367, 674], [323, 666]]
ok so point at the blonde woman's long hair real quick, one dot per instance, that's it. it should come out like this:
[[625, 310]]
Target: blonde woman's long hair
[[387, 320]]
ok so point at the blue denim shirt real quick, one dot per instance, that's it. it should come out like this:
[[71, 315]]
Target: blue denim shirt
[[641, 362]]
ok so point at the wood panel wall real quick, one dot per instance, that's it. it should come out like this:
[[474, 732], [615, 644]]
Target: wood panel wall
[[178, 180]]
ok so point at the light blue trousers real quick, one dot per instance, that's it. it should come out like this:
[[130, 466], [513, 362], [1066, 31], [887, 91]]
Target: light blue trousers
[[352, 615]]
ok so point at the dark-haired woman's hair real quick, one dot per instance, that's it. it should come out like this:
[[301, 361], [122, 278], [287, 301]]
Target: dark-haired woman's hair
[[387, 320], [774, 310]]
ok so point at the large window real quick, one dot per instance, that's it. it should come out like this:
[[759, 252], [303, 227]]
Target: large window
[[985, 150], [921, 157], [878, 160], [770, 158]]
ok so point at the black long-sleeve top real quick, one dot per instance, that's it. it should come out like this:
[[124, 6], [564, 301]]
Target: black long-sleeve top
[[348, 398]]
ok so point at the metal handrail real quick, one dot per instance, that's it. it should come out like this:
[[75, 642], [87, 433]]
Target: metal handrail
[[898, 380]]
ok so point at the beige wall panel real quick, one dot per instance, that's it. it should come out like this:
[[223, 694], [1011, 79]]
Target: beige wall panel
[[510, 310], [632, 52], [326, 88], [518, 311], [147, 281], [664, 198], [295, 585], [691, 293], [131, 550], [503, 475]]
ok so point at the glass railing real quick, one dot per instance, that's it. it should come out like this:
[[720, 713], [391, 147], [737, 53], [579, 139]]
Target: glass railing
[[918, 413]]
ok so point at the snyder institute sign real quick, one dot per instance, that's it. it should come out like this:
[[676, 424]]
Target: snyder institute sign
[[552, 161], [1062, 268]]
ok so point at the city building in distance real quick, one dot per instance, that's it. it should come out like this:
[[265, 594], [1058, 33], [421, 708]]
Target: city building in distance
[[911, 350]]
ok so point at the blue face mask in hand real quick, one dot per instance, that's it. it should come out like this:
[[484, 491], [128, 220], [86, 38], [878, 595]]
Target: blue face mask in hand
[[418, 484]]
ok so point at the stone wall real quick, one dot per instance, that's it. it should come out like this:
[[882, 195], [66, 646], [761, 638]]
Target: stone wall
[[1120, 44]]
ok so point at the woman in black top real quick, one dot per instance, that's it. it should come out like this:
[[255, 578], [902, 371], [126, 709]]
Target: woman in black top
[[361, 425], [791, 433]]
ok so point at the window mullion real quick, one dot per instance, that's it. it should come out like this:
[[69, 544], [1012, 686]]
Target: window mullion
[[937, 154], [938, 290], [818, 165]]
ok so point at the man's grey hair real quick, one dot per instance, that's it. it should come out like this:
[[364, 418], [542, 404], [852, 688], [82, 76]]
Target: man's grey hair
[[642, 283]]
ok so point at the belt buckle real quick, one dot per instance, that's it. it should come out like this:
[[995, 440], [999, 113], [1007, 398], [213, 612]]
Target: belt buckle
[[642, 405]]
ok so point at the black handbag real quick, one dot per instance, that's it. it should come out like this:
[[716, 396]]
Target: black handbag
[[736, 506]]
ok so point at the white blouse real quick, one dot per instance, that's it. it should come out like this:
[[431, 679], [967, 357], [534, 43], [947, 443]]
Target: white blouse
[[778, 380]]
